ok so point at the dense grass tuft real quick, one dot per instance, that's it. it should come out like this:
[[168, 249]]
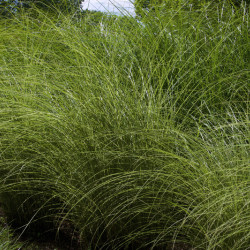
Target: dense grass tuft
[[134, 133]]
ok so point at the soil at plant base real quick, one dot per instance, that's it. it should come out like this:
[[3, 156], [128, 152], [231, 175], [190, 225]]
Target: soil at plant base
[[49, 244], [65, 239]]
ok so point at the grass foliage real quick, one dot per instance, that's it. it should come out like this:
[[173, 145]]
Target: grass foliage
[[134, 133], [7, 241]]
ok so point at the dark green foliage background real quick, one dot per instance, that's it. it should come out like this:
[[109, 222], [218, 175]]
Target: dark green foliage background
[[10, 7]]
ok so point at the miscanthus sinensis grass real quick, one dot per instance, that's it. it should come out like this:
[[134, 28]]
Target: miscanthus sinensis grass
[[134, 133]]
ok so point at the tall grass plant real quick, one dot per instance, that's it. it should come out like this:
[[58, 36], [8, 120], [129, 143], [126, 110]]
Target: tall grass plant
[[134, 133]]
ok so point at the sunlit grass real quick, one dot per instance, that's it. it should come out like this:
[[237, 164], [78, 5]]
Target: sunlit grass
[[134, 133]]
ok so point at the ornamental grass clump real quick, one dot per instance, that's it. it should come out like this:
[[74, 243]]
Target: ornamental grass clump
[[134, 134]]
